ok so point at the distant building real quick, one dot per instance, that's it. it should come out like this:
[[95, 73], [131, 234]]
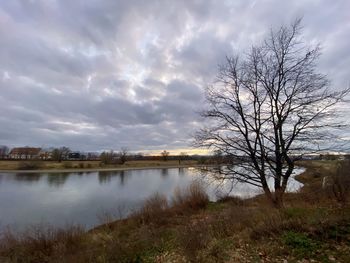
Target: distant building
[[46, 154], [76, 156], [24, 153]]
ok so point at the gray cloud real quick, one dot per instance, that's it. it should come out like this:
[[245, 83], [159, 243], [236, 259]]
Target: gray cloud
[[98, 75]]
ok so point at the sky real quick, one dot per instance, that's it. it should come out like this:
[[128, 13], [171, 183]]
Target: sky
[[96, 75]]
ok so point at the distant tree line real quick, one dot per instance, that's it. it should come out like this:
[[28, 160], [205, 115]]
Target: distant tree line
[[64, 153]]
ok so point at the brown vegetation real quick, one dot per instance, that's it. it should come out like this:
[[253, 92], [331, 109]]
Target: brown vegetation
[[41, 244], [55, 165], [194, 197], [29, 165]]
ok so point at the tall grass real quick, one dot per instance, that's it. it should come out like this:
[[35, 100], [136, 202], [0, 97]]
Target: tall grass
[[154, 209], [341, 182], [193, 197], [157, 208], [40, 244]]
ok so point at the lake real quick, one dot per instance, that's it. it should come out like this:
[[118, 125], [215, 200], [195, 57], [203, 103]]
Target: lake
[[85, 198]]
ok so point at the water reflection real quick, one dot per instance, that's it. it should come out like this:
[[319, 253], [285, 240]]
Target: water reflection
[[58, 180], [105, 177], [164, 172], [28, 177], [58, 198], [181, 171]]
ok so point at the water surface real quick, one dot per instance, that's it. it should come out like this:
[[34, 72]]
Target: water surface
[[84, 198]]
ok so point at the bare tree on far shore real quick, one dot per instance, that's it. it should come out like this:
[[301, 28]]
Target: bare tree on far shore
[[182, 156], [60, 154], [123, 154], [266, 108], [165, 155]]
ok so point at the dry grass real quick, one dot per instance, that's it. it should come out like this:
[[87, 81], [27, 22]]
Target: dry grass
[[154, 210], [157, 210], [29, 165], [340, 182], [194, 197], [52, 165], [41, 244]]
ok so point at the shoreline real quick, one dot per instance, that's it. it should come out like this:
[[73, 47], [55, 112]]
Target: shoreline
[[111, 169]]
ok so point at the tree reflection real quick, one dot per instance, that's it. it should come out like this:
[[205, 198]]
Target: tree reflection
[[165, 172], [106, 176], [58, 179], [181, 171], [27, 177], [122, 177]]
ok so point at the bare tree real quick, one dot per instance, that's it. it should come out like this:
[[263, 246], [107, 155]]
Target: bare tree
[[267, 108], [60, 154], [183, 156], [123, 154], [4, 150], [165, 155], [107, 157]]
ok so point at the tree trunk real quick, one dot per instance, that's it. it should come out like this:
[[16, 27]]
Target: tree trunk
[[278, 199]]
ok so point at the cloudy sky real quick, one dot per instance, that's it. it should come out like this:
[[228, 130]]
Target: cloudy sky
[[97, 75]]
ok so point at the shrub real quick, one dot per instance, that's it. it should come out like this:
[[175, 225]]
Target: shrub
[[39, 244], [81, 165], [29, 165], [153, 209], [194, 197], [341, 182]]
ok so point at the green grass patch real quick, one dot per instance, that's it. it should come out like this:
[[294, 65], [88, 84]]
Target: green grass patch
[[215, 207], [301, 244]]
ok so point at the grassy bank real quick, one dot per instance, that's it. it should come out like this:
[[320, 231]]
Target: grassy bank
[[32, 165], [313, 227]]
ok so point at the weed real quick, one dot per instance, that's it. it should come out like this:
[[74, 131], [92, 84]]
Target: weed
[[194, 197], [153, 210], [300, 242], [39, 244], [194, 238]]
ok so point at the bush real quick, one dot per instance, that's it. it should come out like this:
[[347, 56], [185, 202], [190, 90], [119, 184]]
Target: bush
[[341, 182], [194, 197], [39, 244], [81, 165], [153, 210], [29, 165]]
